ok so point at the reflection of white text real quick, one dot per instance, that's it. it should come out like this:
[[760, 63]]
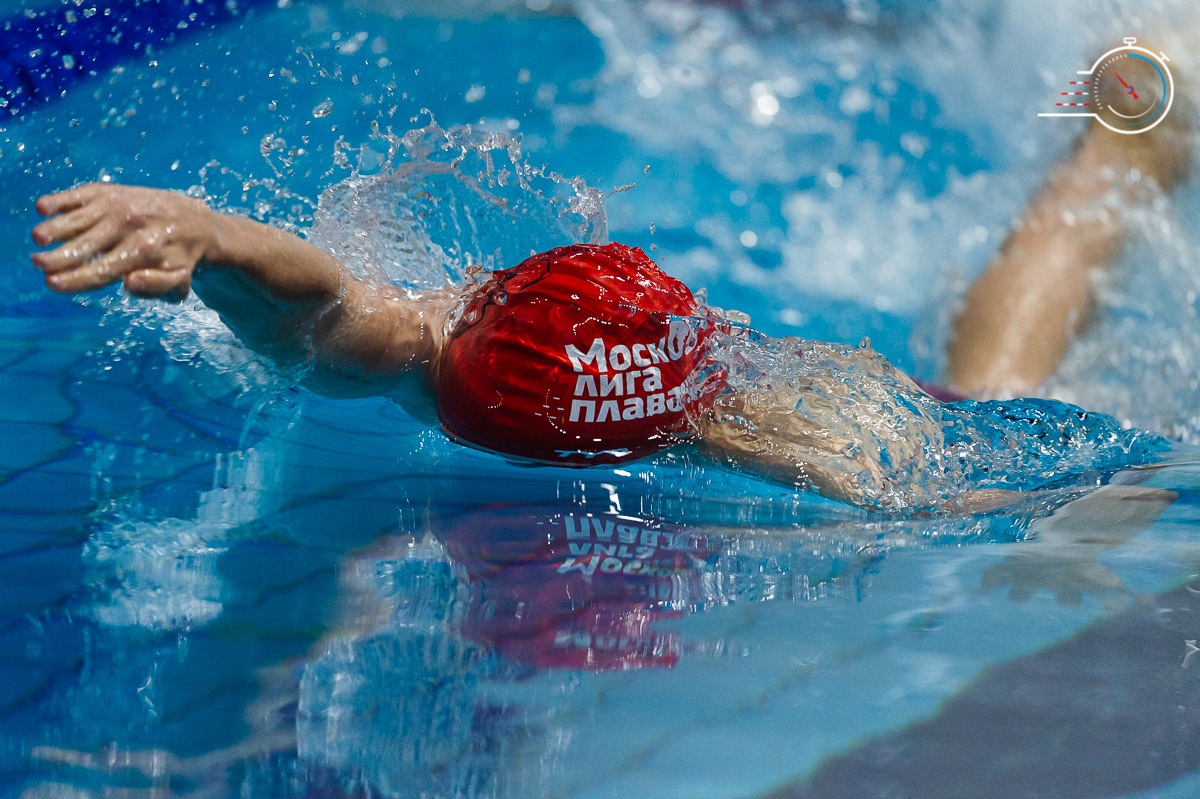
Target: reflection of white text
[[610, 547]]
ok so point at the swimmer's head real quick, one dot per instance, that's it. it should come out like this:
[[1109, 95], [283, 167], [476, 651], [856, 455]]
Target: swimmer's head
[[579, 355]]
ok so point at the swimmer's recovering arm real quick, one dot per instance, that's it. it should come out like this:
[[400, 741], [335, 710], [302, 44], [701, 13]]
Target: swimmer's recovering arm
[[278, 293], [1021, 313]]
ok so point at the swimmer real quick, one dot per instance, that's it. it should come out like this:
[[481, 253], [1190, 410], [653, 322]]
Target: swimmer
[[588, 354], [1019, 316]]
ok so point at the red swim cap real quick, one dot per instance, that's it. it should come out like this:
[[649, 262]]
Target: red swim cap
[[576, 356]]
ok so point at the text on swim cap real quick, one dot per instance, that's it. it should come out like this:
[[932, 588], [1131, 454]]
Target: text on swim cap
[[641, 387], [679, 341]]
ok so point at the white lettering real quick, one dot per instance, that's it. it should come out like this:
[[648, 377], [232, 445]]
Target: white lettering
[[585, 386], [676, 339], [587, 406], [575, 532], [609, 411], [603, 529], [619, 357], [611, 384], [610, 373], [594, 354], [633, 409], [585, 565]]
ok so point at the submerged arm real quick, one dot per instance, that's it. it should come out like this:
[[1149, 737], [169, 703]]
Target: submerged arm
[[839, 420], [278, 293], [845, 422]]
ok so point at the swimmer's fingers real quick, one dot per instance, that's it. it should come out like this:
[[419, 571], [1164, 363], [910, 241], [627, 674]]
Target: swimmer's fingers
[[63, 201], [96, 241], [139, 251], [172, 285], [68, 225]]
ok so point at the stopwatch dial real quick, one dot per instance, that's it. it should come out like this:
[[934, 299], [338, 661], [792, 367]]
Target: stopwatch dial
[[1129, 90]]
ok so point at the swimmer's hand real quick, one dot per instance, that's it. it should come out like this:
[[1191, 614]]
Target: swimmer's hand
[[153, 241], [148, 240], [1068, 578], [1062, 556], [282, 296]]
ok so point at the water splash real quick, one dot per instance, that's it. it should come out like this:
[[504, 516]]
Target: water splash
[[418, 210], [1140, 357], [859, 155], [421, 208], [843, 420], [163, 574]]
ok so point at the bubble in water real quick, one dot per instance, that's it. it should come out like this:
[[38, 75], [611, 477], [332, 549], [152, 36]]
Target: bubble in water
[[323, 108]]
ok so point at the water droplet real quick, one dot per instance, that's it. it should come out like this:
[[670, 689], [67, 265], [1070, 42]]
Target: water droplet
[[323, 108]]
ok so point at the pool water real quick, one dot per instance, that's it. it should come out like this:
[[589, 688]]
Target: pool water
[[214, 583]]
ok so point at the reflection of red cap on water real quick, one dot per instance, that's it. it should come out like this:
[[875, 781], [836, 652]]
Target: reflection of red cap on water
[[578, 356], [572, 589]]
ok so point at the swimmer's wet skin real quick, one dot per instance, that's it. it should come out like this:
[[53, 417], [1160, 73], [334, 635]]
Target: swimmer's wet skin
[[584, 354], [1042, 278], [277, 292]]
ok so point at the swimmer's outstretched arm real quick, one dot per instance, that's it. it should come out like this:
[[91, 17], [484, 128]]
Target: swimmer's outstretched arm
[[279, 294], [1021, 313], [848, 425]]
